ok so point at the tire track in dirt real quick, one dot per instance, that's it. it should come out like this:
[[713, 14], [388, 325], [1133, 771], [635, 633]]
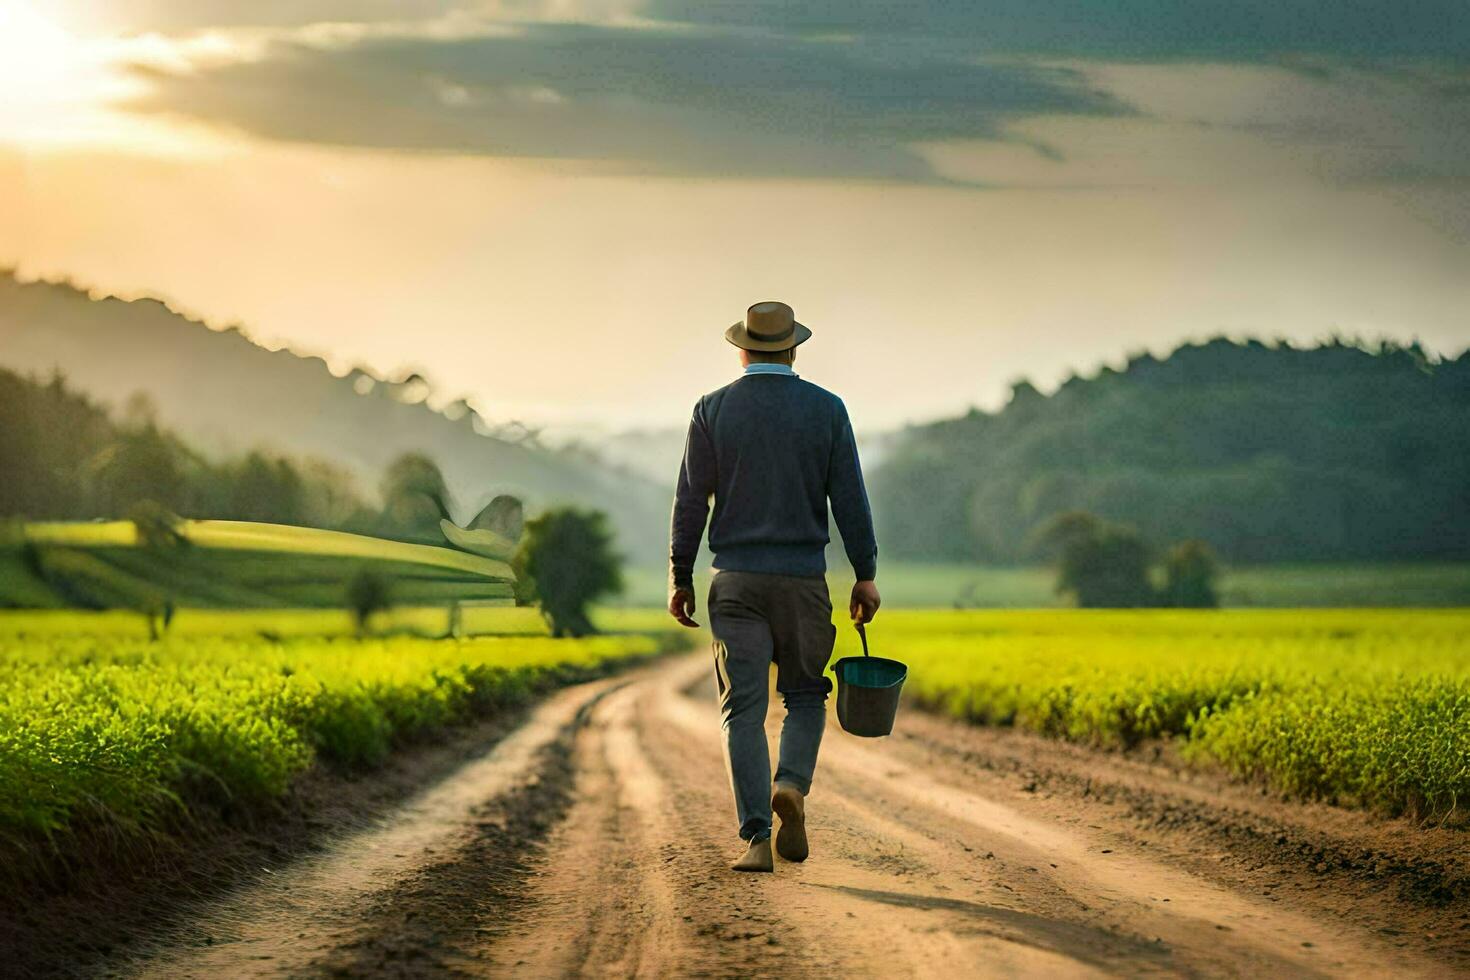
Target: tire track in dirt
[[853, 903], [595, 842], [286, 922], [605, 897], [1033, 884], [631, 884]]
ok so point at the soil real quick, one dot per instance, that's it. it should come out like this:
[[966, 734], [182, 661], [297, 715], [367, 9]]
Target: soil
[[87, 912], [594, 840]]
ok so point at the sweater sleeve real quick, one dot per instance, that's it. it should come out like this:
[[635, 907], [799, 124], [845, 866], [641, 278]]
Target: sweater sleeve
[[850, 500], [691, 502]]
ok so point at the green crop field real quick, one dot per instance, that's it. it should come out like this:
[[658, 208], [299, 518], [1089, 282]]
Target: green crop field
[[1364, 708], [100, 728]]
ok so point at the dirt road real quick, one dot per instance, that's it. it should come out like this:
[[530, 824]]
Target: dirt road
[[593, 841]]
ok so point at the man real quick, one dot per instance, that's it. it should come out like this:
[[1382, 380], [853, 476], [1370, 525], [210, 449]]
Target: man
[[771, 449]]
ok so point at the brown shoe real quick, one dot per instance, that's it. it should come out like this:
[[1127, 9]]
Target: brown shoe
[[756, 858], [790, 806]]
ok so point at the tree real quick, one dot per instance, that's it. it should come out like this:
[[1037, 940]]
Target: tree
[[1190, 571], [159, 538], [266, 489], [47, 435], [1271, 453], [145, 463], [566, 561], [1101, 565], [331, 496], [415, 497], [64, 458], [367, 593]]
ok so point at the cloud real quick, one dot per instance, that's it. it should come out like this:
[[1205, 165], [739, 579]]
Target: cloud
[[646, 99], [1345, 121], [169, 16], [1223, 29], [1231, 124], [1217, 29], [930, 91]]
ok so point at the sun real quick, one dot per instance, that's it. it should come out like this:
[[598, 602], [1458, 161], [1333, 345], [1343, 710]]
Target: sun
[[37, 57], [56, 88]]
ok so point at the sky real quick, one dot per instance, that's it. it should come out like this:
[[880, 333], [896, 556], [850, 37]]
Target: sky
[[555, 208]]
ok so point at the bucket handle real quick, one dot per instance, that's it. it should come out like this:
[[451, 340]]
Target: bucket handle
[[862, 632]]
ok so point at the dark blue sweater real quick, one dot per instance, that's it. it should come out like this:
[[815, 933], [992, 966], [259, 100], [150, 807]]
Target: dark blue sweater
[[771, 450]]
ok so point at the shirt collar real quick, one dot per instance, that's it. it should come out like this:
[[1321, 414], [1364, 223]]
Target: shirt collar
[[764, 368]]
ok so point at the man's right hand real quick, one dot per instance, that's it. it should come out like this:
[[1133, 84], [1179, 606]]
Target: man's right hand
[[681, 607], [865, 602]]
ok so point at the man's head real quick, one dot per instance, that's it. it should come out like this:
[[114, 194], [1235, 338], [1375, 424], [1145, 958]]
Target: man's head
[[769, 329]]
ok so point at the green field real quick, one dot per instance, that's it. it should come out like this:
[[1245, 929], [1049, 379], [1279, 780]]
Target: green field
[[1364, 708], [236, 565], [422, 621], [229, 564], [100, 728], [949, 586]]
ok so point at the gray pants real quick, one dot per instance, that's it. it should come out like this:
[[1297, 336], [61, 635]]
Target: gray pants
[[758, 620]]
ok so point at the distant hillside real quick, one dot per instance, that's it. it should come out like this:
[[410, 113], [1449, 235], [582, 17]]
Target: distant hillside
[[1269, 453], [223, 392], [651, 453]]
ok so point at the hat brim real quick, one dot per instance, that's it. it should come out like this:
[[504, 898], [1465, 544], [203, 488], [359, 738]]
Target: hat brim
[[738, 336]]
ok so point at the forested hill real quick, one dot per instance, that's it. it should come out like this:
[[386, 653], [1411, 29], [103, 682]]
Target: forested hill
[[1267, 452], [224, 393]]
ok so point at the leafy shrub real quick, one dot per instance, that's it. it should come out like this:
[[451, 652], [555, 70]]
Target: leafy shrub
[[566, 562], [368, 592], [1190, 573], [1102, 565]]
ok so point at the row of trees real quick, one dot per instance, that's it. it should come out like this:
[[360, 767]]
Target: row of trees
[[1103, 565], [1272, 453], [67, 458]]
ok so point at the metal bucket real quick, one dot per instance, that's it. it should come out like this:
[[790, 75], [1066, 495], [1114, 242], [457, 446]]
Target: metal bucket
[[867, 691]]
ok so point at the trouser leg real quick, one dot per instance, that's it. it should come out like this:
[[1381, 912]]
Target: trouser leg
[[742, 650], [801, 737], [803, 636]]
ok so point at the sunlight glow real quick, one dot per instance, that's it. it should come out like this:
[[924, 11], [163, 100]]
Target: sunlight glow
[[56, 89], [28, 40], [38, 60]]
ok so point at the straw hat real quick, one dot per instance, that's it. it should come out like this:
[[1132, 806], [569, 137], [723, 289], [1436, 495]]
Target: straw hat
[[769, 326]]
